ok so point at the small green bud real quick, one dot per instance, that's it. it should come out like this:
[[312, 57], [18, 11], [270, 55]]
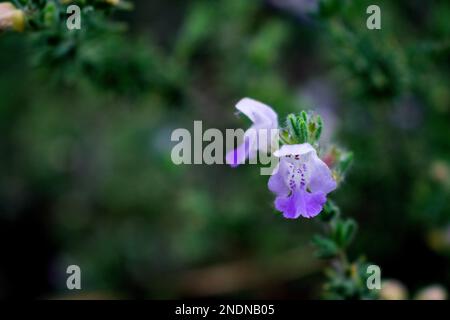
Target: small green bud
[[312, 129], [284, 137], [319, 126]]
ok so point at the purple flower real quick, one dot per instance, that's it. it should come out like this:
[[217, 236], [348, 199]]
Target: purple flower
[[301, 181], [263, 118]]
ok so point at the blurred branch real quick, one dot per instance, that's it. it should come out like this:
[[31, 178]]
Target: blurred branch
[[249, 274]]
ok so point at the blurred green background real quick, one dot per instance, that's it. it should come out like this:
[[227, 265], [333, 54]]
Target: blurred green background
[[86, 176]]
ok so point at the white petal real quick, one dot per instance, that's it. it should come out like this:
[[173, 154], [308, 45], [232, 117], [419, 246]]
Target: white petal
[[294, 149]]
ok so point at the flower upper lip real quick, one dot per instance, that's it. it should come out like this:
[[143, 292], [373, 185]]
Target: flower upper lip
[[259, 113], [263, 118]]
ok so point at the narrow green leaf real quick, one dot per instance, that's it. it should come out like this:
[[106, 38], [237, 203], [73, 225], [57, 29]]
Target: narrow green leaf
[[326, 248], [293, 126], [303, 131], [304, 116]]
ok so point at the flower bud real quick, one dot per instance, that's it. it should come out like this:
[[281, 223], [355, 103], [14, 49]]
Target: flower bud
[[112, 2], [11, 18], [393, 290], [439, 239], [434, 292], [440, 172]]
